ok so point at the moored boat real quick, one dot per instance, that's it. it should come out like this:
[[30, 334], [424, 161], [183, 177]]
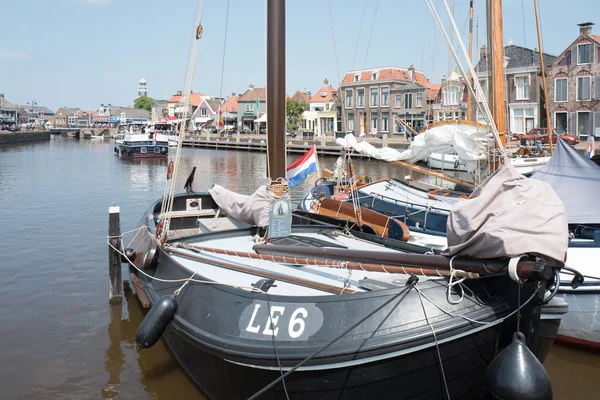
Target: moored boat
[[143, 145]]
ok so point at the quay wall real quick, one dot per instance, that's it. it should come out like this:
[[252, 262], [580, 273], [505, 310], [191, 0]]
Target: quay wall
[[21, 137]]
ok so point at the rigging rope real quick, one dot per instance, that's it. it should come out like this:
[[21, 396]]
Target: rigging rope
[[523, 13], [337, 63], [169, 194], [359, 31], [410, 284], [483, 104], [224, 47], [371, 34]]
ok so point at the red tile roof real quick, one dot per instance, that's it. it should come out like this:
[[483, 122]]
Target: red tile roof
[[394, 73], [195, 99], [300, 97], [596, 38], [324, 95], [252, 94], [231, 104]]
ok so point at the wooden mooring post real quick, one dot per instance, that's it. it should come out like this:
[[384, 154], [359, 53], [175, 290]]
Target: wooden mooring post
[[115, 289]]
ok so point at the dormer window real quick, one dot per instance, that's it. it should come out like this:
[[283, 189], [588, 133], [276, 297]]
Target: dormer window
[[324, 93], [584, 53], [356, 77], [374, 75]]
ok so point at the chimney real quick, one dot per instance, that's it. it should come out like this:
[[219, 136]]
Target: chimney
[[178, 93], [411, 72], [325, 82], [585, 28], [250, 87], [232, 94], [308, 94]]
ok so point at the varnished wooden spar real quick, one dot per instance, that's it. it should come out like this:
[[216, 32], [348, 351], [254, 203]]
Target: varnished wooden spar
[[293, 260], [525, 269], [432, 173], [262, 273]]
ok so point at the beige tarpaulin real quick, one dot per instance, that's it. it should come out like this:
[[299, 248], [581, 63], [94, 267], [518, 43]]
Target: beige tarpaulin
[[509, 215]]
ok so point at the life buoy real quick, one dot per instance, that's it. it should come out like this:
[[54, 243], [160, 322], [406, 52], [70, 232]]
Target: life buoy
[[170, 171], [456, 163]]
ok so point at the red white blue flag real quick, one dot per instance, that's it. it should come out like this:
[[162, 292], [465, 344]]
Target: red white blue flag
[[307, 164]]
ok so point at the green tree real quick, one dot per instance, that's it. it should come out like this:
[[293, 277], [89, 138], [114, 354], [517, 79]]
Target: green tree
[[294, 112], [144, 103]]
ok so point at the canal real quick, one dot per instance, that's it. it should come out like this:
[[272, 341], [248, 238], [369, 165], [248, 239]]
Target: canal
[[59, 336]]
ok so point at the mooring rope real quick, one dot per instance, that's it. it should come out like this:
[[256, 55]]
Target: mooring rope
[[409, 285]]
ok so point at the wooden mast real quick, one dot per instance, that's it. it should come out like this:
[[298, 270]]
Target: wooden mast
[[497, 70], [469, 98], [276, 153], [544, 84]]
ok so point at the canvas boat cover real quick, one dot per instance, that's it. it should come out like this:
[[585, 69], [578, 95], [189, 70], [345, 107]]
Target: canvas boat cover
[[576, 180], [252, 209], [509, 215], [467, 140]]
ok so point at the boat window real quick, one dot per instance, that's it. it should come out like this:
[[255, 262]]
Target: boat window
[[156, 150], [144, 150]]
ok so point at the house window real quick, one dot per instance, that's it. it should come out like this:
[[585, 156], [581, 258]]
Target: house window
[[374, 97], [350, 124], [408, 101], [250, 107], [356, 78], [385, 122], [521, 118], [420, 99], [560, 89], [360, 97], [303, 124], [560, 122], [584, 126], [398, 102], [522, 84], [329, 122], [398, 126], [451, 96], [584, 53], [374, 75], [374, 121], [349, 97], [203, 112], [385, 96], [483, 93], [584, 88]]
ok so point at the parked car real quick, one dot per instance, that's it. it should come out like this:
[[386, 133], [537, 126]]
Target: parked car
[[542, 135], [290, 134]]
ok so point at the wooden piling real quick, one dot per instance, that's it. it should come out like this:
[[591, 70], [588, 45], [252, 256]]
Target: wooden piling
[[115, 288]]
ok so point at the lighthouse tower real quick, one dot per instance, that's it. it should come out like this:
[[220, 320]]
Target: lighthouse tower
[[142, 90]]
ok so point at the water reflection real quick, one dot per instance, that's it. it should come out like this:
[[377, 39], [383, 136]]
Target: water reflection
[[159, 372]]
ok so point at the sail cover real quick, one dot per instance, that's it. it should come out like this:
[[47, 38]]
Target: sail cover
[[509, 215], [576, 180], [252, 209], [467, 140]]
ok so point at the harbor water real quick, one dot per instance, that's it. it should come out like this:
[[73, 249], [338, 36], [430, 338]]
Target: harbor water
[[59, 336]]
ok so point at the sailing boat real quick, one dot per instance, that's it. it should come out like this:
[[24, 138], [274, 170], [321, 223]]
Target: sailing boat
[[576, 180], [251, 306]]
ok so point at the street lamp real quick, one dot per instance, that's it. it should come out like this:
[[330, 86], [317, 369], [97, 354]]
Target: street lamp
[[31, 114]]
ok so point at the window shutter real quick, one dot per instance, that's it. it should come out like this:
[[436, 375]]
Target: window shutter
[[574, 55], [597, 88], [574, 123]]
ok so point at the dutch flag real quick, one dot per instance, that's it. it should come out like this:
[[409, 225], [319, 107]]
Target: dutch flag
[[298, 171]]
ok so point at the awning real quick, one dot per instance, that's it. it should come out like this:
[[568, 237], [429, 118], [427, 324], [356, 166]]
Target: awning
[[263, 118]]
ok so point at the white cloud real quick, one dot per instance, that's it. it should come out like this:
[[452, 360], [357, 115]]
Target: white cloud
[[8, 54]]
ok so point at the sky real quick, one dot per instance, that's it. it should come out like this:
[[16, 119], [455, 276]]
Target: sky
[[81, 53]]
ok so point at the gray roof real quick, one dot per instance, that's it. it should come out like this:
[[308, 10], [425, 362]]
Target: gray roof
[[69, 111], [518, 57], [213, 104], [130, 112], [38, 109], [8, 104]]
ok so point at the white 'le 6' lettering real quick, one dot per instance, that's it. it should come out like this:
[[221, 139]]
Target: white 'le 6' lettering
[[295, 327]]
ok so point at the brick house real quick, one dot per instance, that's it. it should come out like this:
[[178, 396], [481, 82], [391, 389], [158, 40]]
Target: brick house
[[523, 81], [302, 98], [574, 82], [372, 97], [252, 104], [321, 117]]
